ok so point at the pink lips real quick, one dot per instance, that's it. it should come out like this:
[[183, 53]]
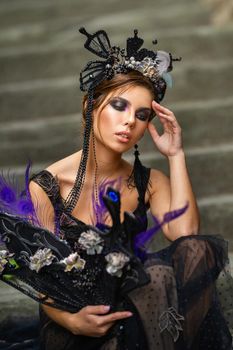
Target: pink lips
[[123, 136]]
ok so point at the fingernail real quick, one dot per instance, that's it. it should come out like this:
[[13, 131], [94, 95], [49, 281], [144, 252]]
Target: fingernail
[[129, 314], [106, 307]]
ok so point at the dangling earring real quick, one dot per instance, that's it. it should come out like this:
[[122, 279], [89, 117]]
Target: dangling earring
[[137, 163], [137, 168], [136, 153]]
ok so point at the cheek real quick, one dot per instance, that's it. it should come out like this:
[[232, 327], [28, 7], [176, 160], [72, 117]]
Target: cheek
[[103, 122], [141, 131], [108, 119]]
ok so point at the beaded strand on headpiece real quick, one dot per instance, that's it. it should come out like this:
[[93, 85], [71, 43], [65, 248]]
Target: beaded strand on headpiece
[[74, 194]]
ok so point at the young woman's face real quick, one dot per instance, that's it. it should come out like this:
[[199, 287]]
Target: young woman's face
[[123, 121]]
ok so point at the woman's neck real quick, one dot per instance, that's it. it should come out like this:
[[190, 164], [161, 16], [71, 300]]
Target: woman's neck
[[108, 162]]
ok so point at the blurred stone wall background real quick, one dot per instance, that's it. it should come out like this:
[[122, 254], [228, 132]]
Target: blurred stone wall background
[[41, 54]]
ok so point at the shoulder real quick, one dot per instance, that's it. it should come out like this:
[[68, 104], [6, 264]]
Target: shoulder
[[65, 167], [45, 184], [65, 170], [158, 181], [42, 205]]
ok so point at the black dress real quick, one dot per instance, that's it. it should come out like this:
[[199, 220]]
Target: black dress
[[186, 305]]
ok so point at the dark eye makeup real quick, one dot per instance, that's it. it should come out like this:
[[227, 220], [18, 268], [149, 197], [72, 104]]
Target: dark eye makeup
[[120, 104], [143, 114]]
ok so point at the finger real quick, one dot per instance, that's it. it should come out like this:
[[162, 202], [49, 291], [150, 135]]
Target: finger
[[152, 130], [163, 120], [157, 107], [97, 309], [166, 116], [171, 119], [107, 326], [115, 316], [102, 330]]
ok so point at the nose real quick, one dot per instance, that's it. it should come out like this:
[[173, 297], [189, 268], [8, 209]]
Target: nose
[[130, 119]]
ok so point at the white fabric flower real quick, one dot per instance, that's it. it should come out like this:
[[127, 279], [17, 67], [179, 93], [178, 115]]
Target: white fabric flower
[[91, 242], [73, 261], [4, 256], [43, 257], [116, 262]]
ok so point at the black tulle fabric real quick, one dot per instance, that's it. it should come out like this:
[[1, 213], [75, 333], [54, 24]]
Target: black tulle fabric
[[187, 304]]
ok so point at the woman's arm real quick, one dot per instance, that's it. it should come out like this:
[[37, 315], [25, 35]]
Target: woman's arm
[[173, 193]]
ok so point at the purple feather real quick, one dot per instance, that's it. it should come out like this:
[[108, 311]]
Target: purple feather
[[99, 208], [171, 215], [16, 202], [7, 195], [144, 237]]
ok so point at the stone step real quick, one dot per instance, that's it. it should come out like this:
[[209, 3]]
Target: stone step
[[187, 42], [14, 303], [40, 23], [203, 123], [65, 60], [217, 219], [60, 6], [30, 100]]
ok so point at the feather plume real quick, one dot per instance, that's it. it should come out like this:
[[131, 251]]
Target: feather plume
[[99, 208], [143, 238], [16, 202]]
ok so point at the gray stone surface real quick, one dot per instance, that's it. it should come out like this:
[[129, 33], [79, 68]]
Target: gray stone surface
[[14, 303]]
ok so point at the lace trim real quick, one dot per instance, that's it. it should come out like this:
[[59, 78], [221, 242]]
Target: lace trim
[[49, 184]]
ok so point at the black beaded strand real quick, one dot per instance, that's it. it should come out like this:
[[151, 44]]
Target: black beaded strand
[[75, 192], [96, 193]]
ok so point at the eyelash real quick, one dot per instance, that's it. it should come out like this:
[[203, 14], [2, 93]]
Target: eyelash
[[119, 106]]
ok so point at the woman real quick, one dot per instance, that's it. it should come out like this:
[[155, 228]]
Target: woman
[[177, 307]]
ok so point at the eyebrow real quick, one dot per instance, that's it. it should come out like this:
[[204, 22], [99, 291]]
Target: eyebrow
[[128, 102]]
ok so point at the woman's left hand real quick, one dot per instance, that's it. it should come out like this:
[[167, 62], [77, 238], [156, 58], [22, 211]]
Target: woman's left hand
[[170, 142]]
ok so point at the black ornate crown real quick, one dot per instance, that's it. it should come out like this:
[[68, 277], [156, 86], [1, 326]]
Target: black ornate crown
[[153, 64]]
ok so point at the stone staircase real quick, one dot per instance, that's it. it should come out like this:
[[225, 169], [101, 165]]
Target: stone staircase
[[41, 54]]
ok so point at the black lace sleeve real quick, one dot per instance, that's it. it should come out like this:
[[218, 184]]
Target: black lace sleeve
[[49, 184]]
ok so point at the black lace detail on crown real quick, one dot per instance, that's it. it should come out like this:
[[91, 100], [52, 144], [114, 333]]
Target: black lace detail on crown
[[152, 64]]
